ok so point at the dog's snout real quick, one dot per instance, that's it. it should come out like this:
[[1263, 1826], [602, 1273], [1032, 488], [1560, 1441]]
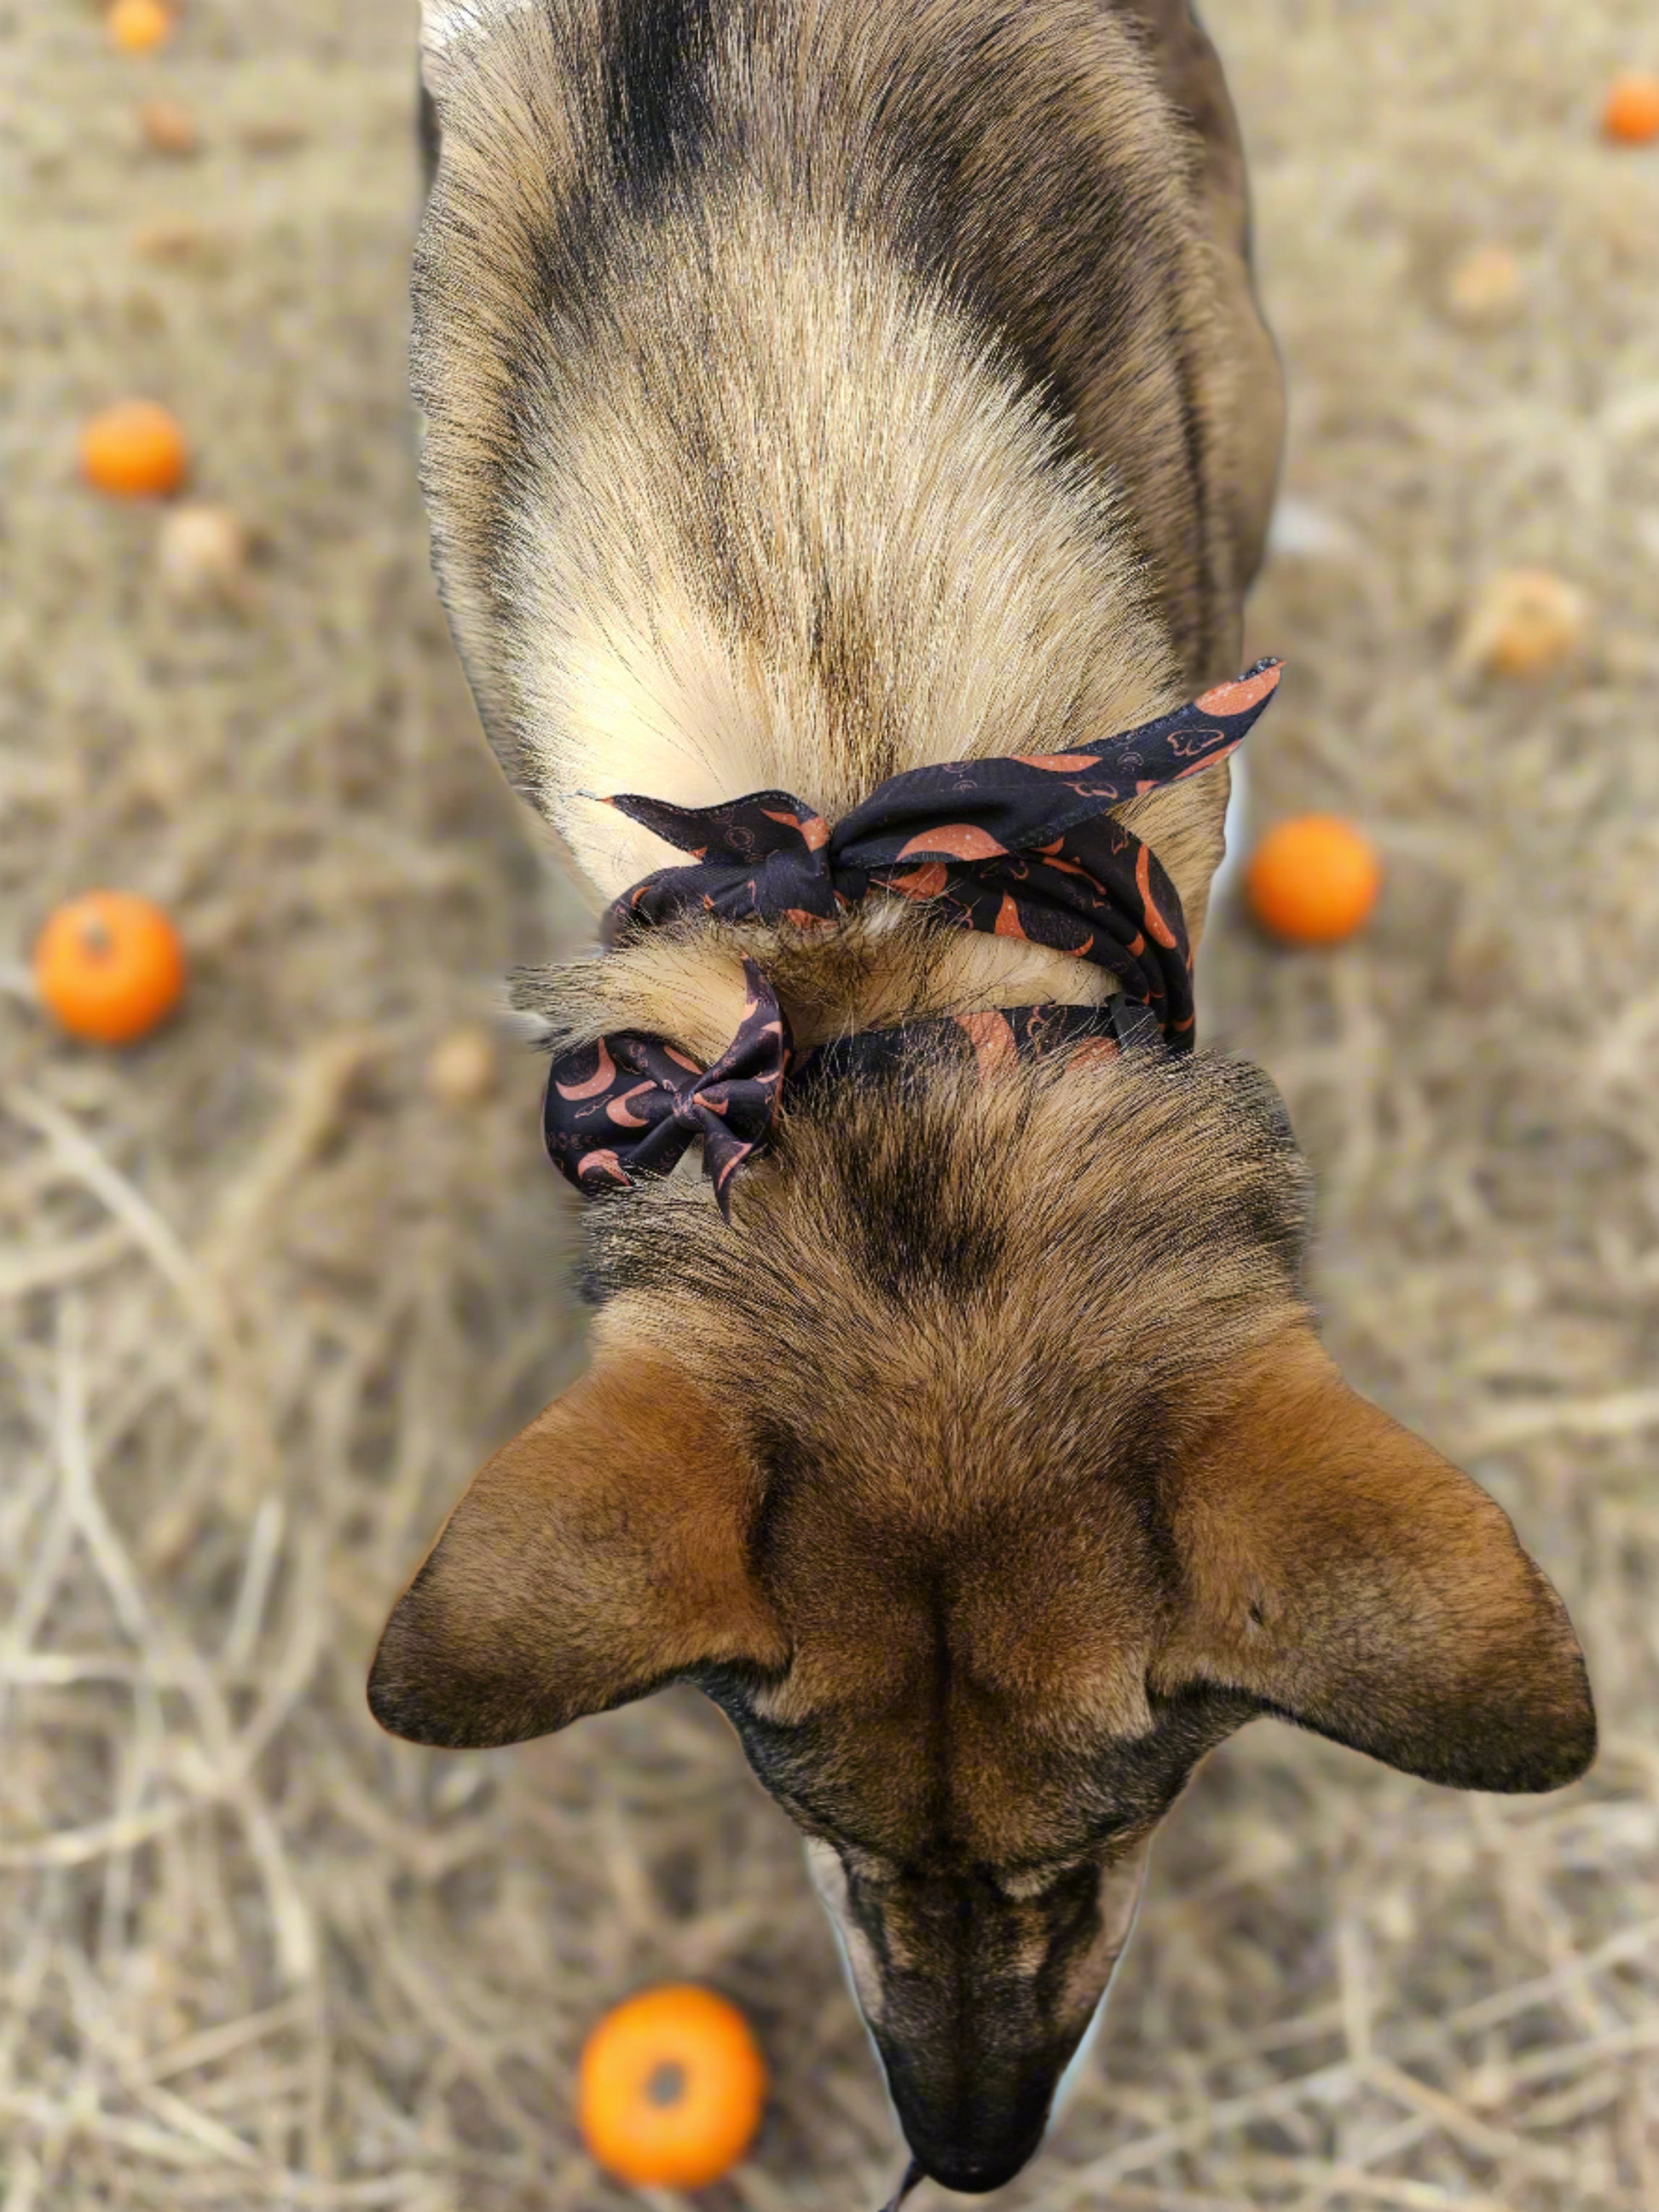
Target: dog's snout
[[972, 2130], [986, 2007]]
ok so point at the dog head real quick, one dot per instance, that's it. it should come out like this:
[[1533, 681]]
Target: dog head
[[988, 1471]]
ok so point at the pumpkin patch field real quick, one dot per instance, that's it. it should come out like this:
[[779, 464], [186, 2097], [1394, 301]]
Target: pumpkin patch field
[[281, 1261]]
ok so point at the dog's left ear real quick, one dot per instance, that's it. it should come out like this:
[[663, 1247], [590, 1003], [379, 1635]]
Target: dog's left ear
[[1343, 1575], [599, 1555]]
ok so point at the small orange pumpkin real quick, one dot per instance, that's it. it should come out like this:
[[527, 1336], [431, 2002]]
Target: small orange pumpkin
[[671, 2088], [134, 450], [1630, 114], [1314, 880], [109, 966], [136, 25]]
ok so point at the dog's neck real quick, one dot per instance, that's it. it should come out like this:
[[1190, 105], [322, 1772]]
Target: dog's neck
[[881, 966]]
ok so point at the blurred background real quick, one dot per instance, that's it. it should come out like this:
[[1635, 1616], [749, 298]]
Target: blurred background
[[274, 1281]]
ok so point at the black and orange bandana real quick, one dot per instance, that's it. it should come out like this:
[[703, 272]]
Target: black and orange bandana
[[1020, 847]]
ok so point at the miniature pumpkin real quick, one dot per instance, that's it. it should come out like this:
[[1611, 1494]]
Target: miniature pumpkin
[[136, 25], [671, 2088], [134, 450], [1630, 114], [1314, 880], [109, 966]]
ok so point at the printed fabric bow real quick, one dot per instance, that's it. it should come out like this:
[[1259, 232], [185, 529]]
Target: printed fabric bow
[[1016, 846], [631, 1104]]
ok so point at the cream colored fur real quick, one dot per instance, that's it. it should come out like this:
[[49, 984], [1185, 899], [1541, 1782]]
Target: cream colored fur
[[783, 405]]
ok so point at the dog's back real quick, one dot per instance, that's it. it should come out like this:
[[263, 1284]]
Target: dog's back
[[819, 388]]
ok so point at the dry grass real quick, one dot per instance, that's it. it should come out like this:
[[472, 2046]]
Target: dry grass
[[266, 1301]]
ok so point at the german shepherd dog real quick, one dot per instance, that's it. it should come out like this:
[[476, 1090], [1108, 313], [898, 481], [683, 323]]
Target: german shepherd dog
[[816, 392]]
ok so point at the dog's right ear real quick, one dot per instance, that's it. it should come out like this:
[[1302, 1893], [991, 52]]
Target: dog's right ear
[[599, 1555]]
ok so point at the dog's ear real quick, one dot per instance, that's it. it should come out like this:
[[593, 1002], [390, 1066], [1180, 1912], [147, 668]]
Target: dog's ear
[[1348, 1578], [600, 1554]]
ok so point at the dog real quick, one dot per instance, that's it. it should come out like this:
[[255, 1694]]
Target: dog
[[828, 404]]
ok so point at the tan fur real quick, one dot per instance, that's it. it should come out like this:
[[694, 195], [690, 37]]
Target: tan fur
[[815, 389]]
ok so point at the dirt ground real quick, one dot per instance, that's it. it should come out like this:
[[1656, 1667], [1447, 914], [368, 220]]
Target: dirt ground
[[266, 1301]]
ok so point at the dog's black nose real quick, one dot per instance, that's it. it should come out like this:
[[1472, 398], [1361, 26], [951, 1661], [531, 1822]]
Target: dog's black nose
[[975, 2173]]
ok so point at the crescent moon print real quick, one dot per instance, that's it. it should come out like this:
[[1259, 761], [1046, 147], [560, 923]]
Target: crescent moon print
[[1249, 691], [603, 1165], [960, 840], [595, 1083], [814, 829], [921, 882], [1097, 1049], [620, 1110], [992, 1037]]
